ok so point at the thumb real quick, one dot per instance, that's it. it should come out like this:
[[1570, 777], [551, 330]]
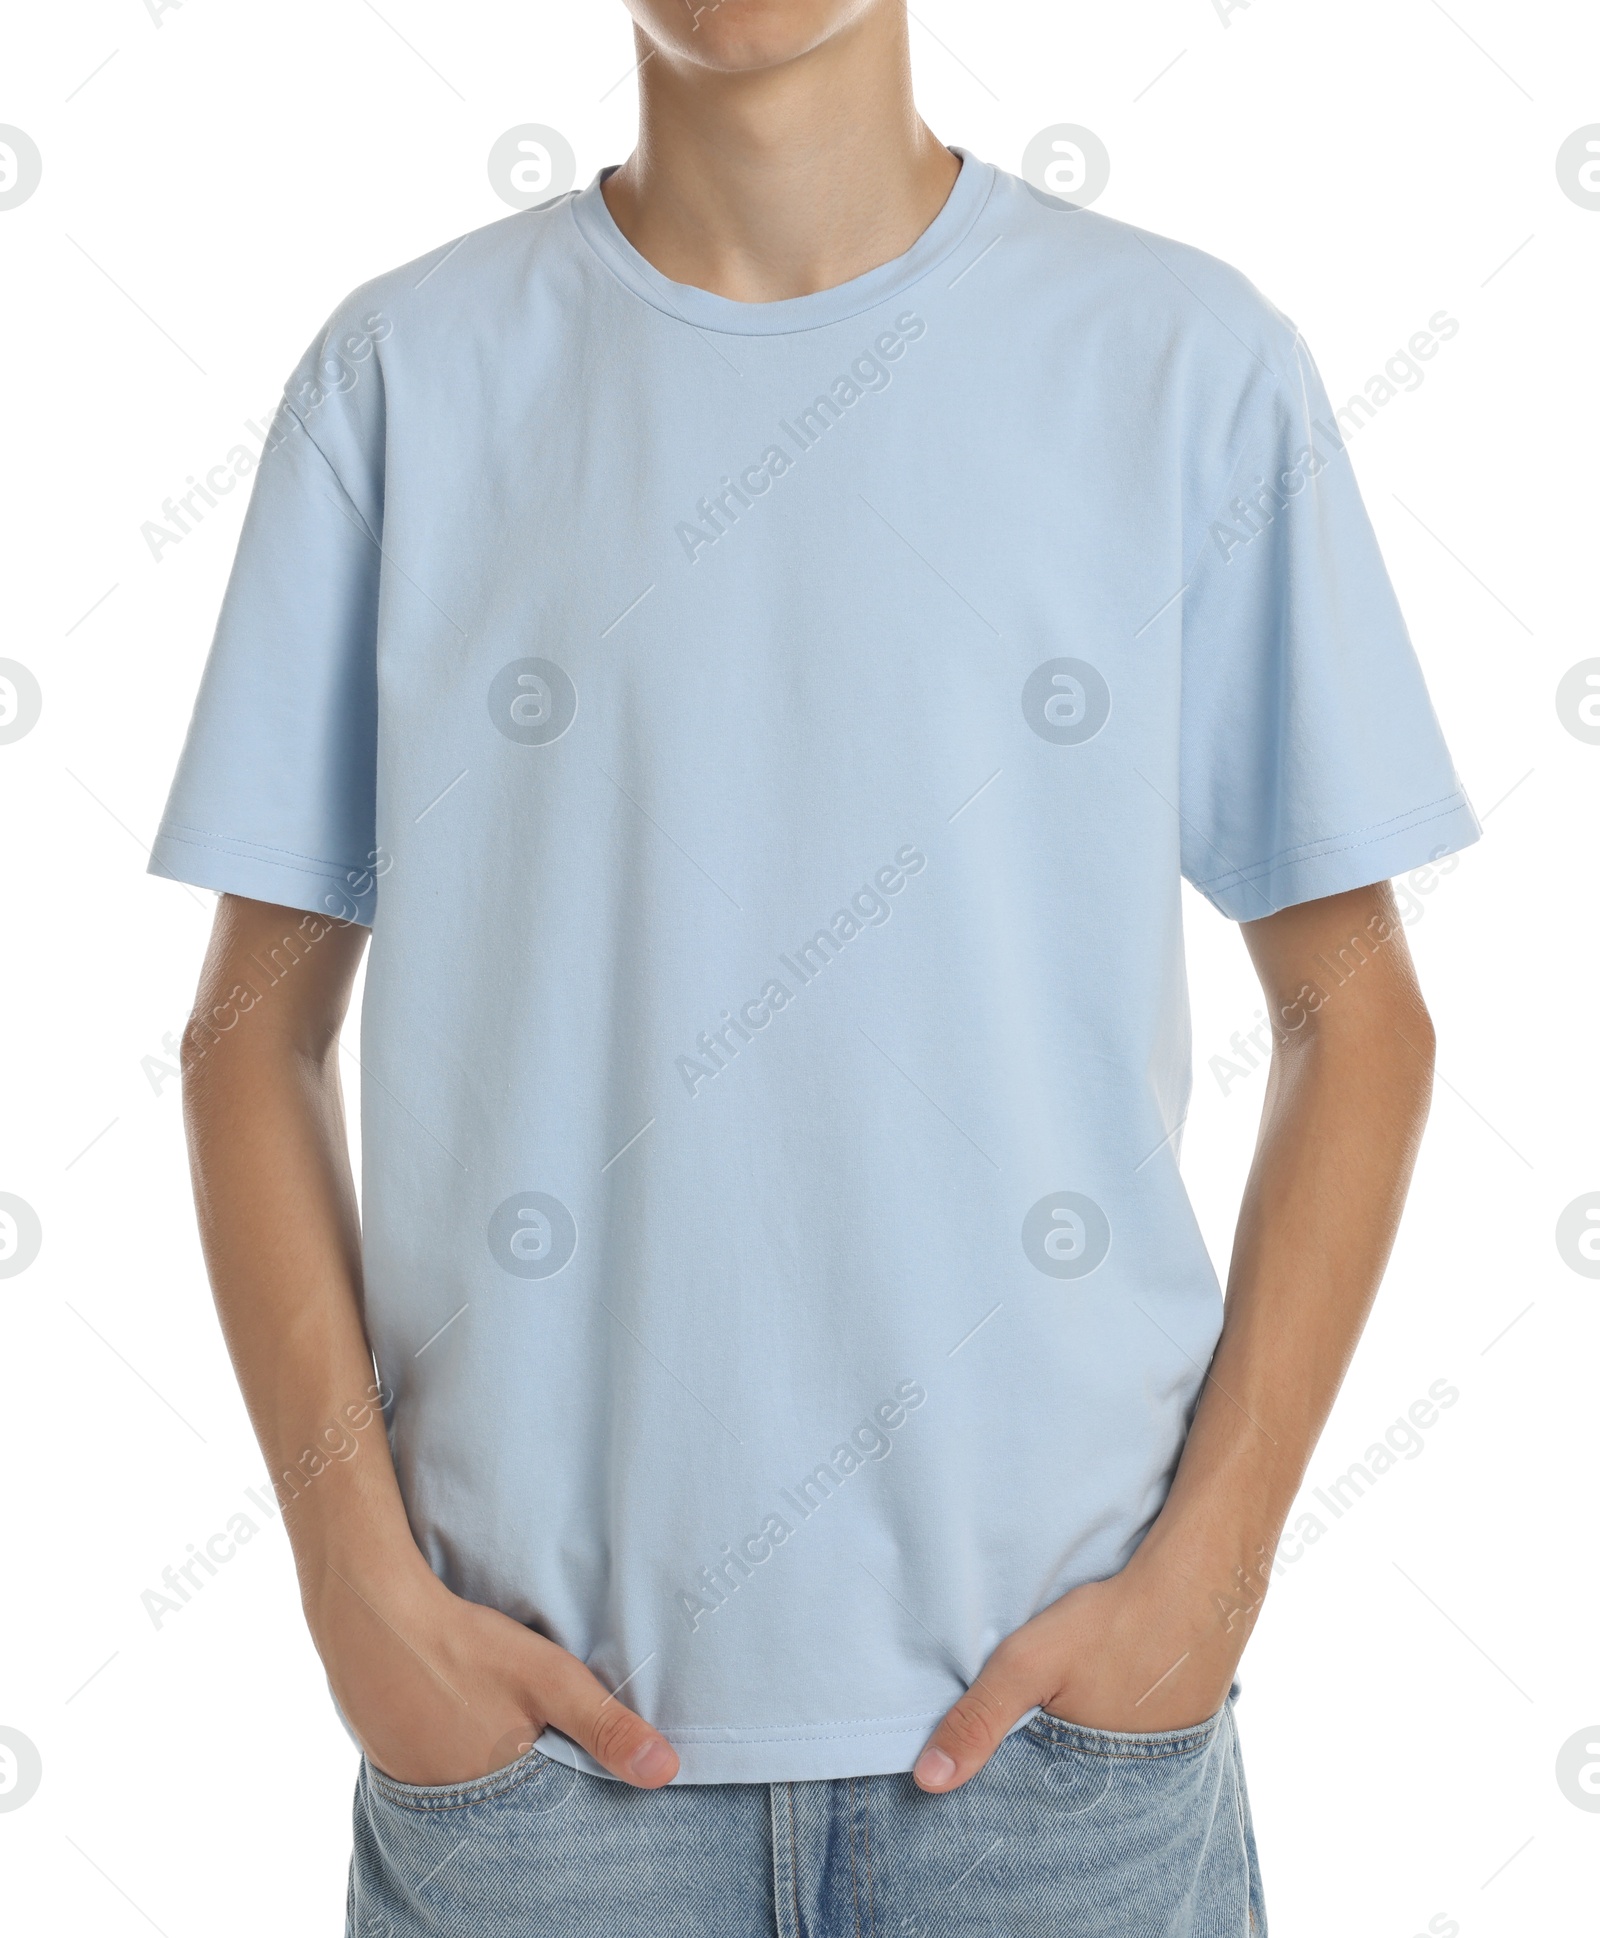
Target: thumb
[[574, 1701], [974, 1728]]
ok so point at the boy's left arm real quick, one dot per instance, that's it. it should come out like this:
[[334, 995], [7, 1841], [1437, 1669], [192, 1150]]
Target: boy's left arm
[[1155, 1647]]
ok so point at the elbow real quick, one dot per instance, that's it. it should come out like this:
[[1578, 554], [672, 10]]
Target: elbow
[[201, 1035], [1423, 1037], [196, 1066], [1414, 1025], [1415, 1055], [192, 1049]]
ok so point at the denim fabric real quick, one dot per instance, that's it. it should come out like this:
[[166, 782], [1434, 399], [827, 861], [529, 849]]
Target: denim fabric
[[1068, 1833]]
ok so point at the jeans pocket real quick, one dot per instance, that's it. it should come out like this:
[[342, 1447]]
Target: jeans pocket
[[1125, 1746], [429, 1797], [1144, 1825], [1104, 1770]]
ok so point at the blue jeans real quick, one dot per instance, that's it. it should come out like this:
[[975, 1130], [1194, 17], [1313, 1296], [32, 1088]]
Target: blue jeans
[[1067, 1833]]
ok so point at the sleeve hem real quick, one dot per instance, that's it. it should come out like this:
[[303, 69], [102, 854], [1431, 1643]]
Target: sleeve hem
[[229, 867], [1342, 862]]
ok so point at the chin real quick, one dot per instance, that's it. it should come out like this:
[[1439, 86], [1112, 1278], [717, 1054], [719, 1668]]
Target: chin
[[744, 36]]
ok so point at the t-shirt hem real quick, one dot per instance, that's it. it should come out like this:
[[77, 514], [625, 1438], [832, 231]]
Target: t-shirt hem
[[1341, 862], [232, 867], [819, 1752]]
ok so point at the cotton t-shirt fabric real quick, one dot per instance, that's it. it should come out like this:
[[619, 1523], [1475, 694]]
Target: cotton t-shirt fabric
[[766, 742]]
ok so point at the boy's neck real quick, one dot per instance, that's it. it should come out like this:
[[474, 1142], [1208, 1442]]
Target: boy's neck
[[785, 180]]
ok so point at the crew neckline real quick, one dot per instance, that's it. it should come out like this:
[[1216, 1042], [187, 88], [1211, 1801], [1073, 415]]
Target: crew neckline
[[704, 309]]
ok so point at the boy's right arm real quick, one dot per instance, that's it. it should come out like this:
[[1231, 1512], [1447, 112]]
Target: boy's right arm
[[438, 1689]]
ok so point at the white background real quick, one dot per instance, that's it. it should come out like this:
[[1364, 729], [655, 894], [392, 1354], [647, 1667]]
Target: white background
[[208, 195]]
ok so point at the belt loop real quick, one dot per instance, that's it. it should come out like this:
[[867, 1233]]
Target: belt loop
[[785, 1863]]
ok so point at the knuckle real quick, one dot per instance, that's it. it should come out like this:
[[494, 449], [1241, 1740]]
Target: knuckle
[[968, 1729], [615, 1734]]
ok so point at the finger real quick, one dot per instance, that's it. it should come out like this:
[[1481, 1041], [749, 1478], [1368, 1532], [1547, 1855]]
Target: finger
[[974, 1728], [579, 1705]]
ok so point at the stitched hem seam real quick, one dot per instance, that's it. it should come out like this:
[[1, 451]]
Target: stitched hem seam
[[231, 846], [1337, 844], [1057, 1733], [427, 1797], [713, 1735]]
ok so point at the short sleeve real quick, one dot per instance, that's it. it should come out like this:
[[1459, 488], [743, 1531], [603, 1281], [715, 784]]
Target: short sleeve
[[274, 796], [1311, 759]]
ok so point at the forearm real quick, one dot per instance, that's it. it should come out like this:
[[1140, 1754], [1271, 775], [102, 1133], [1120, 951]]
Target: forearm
[[278, 1223], [438, 1688], [1347, 1098]]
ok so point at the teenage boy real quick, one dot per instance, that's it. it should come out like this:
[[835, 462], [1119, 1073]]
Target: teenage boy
[[757, 644]]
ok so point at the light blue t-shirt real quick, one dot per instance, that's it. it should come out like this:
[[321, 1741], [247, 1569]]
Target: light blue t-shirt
[[766, 742]]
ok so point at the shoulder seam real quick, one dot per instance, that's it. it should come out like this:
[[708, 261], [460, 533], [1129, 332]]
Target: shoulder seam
[[333, 472]]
